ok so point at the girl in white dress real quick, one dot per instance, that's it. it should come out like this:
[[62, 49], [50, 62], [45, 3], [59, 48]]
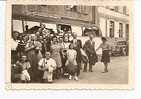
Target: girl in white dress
[[24, 65], [71, 62]]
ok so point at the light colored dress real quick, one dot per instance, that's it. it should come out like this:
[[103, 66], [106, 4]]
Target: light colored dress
[[71, 60], [24, 74], [56, 48], [71, 56]]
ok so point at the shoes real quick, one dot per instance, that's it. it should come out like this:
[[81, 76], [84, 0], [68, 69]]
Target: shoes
[[105, 71], [76, 78], [90, 70], [70, 77], [84, 70], [66, 74]]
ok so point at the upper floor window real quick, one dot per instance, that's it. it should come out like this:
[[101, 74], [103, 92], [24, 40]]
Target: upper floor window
[[71, 8], [79, 9], [120, 30], [111, 29]]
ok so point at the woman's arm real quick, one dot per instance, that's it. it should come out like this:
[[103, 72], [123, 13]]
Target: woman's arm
[[29, 66], [99, 47], [27, 47]]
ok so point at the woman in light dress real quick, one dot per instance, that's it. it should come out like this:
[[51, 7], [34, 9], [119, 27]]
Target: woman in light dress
[[24, 65], [71, 62], [55, 54]]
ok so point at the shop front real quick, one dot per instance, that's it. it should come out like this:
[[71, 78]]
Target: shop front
[[64, 27]]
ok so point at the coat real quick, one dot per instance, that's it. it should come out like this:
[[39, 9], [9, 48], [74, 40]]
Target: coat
[[89, 48]]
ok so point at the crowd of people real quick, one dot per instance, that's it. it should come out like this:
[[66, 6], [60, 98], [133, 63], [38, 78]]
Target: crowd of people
[[41, 58]]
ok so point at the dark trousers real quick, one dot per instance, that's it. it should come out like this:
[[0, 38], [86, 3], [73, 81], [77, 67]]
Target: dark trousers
[[85, 67], [57, 73], [78, 68], [64, 59], [14, 57]]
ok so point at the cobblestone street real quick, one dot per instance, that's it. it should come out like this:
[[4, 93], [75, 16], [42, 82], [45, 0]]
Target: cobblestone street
[[118, 73]]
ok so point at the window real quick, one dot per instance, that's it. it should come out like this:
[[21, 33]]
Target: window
[[120, 30], [93, 29], [124, 10], [120, 9], [116, 8], [112, 8], [83, 9], [65, 31], [127, 31], [84, 31], [71, 8], [64, 28], [111, 29]]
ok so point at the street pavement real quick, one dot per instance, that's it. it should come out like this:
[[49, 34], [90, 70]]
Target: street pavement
[[118, 73]]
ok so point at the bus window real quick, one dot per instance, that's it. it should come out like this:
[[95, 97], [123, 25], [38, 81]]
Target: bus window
[[64, 28], [85, 29]]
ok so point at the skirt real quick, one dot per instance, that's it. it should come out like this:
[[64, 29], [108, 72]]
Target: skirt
[[71, 68], [105, 56]]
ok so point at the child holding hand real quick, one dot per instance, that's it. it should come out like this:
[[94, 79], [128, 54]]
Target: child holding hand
[[24, 65]]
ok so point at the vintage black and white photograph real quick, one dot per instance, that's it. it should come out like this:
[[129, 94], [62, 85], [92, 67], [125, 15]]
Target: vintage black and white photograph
[[70, 44]]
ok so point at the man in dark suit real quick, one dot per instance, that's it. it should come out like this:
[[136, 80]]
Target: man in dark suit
[[77, 46], [89, 48]]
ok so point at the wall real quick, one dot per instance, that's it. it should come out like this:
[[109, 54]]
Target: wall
[[116, 29], [58, 11], [17, 25], [102, 22], [106, 14]]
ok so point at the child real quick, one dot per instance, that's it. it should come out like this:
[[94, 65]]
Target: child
[[71, 62], [47, 65], [105, 53], [24, 66]]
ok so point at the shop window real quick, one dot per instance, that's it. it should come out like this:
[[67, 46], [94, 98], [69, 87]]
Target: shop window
[[77, 29], [31, 24], [84, 30], [63, 28], [65, 31], [111, 29]]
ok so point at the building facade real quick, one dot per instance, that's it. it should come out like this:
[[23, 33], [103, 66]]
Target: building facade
[[114, 21], [52, 15]]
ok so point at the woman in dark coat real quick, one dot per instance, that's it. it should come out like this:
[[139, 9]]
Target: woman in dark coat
[[89, 48]]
